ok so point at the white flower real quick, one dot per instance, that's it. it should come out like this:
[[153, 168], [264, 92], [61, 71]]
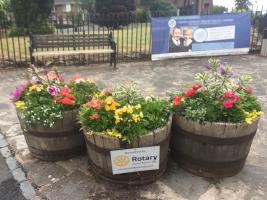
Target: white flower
[[79, 80]]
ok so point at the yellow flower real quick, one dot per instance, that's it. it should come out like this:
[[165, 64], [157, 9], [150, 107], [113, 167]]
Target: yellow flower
[[20, 105], [141, 114], [114, 133], [136, 118], [107, 107], [250, 116], [129, 109], [37, 88], [118, 119], [109, 100], [138, 106]]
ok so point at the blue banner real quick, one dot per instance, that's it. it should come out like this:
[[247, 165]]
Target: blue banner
[[200, 35]]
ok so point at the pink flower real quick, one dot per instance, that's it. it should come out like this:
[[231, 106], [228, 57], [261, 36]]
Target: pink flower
[[53, 90], [228, 104], [16, 94]]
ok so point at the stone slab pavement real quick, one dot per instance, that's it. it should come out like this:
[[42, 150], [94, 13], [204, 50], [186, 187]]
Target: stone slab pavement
[[73, 180]]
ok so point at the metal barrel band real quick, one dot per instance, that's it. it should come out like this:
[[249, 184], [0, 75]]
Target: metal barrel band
[[53, 155], [134, 178], [106, 151], [212, 140], [71, 132], [208, 164]]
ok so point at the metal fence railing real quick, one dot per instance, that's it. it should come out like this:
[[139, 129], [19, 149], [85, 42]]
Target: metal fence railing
[[132, 35]]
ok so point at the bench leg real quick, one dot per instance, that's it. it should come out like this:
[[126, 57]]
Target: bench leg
[[114, 58], [111, 59]]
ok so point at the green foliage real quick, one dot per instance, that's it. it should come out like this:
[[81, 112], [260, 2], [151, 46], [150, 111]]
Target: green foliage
[[219, 96], [141, 15], [30, 14], [87, 5], [242, 5], [161, 8], [83, 91], [44, 28], [219, 9]]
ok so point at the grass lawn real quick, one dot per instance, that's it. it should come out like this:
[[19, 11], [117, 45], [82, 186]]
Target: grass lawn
[[133, 39]]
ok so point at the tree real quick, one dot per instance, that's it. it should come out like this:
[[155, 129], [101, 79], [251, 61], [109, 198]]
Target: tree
[[162, 8], [4, 9], [114, 13], [242, 4], [219, 9], [31, 12], [147, 5], [87, 5]]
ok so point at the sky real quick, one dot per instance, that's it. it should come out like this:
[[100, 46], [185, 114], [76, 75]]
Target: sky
[[231, 3]]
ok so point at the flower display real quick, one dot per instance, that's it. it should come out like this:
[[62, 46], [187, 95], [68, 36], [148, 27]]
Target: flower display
[[124, 113], [45, 96], [218, 96]]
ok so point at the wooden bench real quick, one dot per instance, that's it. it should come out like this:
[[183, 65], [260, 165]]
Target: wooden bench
[[51, 45]]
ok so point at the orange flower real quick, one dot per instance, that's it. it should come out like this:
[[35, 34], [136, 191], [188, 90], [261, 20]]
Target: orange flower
[[94, 103], [66, 101], [94, 116], [75, 77]]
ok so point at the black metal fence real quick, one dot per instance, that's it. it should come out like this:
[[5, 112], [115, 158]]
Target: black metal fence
[[132, 35]]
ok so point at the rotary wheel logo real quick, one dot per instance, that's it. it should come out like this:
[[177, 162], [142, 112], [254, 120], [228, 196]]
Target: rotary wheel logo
[[121, 161]]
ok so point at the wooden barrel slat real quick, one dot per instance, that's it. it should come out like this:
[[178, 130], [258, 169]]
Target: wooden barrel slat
[[99, 155], [211, 149], [63, 141]]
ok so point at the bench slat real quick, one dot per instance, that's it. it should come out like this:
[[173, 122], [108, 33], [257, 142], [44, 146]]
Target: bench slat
[[72, 52]]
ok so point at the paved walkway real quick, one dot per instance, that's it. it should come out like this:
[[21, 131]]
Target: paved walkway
[[9, 187], [73, 180]]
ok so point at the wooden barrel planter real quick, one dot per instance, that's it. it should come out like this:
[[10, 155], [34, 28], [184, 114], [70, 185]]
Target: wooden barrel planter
[[63, 141], [100, 145], [211, 149]]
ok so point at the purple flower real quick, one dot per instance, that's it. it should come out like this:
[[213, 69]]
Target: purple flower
[[208, 66], [53, 90], [16, 94], [222, 71]]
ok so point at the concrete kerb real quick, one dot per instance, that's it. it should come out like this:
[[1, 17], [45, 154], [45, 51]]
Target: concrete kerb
[[18, 174]]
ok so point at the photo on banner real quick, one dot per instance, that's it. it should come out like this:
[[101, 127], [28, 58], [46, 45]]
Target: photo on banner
[[206, 35]]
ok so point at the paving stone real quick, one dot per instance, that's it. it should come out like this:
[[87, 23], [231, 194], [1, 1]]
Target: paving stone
[[13, 131], [11, 163], [27, 190], [18, 142], [43, 173], [5, 152], [1, 136], [3, 143], [19, 175], [76, 186]]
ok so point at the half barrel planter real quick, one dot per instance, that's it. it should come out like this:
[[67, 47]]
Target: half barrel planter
[[100, 145], [63, 141], [211, 149]]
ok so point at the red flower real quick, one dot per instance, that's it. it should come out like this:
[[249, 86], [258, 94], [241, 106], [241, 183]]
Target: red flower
[[177, 100], [94, 103], [228, 104], [196, 86], [94, 116], [66, 101], [190, 92], [232, 96]]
